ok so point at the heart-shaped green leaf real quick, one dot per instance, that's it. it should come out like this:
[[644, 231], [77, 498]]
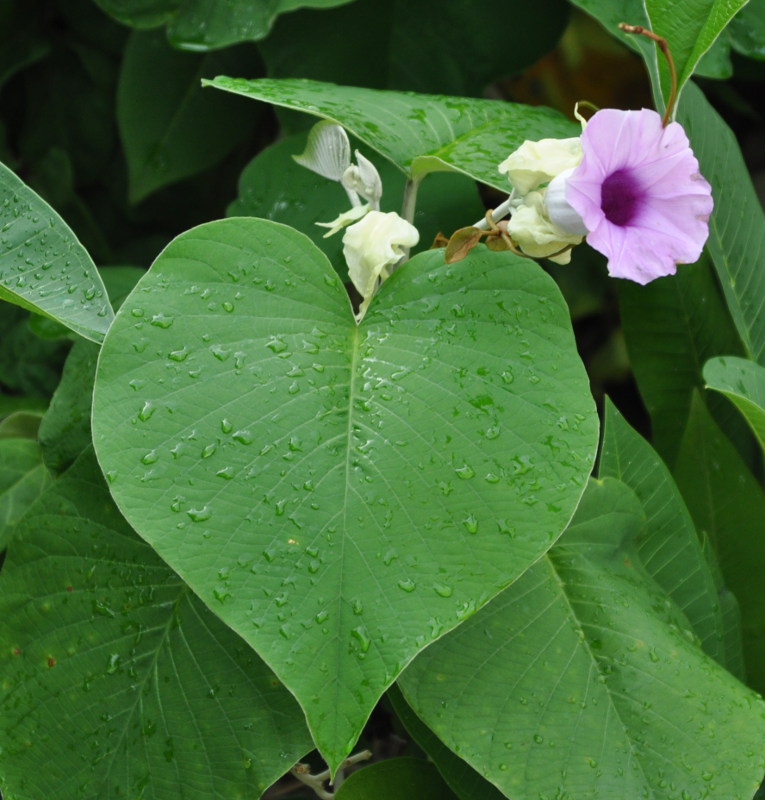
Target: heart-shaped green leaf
[[743, 383], [581, 680], [420, 133], [341, 495], [43, 267], [116, 678]]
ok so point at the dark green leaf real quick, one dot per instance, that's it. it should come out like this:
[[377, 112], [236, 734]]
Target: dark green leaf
[[207, 24], [171, 128], [427, 46]]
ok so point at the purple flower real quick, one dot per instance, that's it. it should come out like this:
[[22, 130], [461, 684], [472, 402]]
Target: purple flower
[[639, 194]]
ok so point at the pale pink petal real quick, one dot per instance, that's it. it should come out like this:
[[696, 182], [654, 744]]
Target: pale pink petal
[[639, 193]]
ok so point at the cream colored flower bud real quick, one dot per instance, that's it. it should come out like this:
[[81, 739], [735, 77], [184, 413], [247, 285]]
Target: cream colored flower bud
[[372, 246], [537, 236], [535, 163]]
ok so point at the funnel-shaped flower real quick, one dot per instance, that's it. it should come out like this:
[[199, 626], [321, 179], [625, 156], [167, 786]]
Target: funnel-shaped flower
[[639, 194]]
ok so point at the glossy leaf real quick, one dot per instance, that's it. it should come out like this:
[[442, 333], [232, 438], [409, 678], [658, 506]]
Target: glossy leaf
[[690, 28], [737, 225], [43, 267], [728, 505], [109, 656], [419, 133], [23, 478], [341, 495], [670, 550], [671, 327], [274, 187], [207, 24], [172, 129], [582, 680], [463, 779], [743, 383], [402, 778]]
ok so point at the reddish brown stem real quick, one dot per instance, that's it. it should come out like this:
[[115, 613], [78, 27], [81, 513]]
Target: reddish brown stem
[[661, 42]]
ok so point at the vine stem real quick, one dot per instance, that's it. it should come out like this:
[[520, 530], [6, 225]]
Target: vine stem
[[661, 43], [316, 782]]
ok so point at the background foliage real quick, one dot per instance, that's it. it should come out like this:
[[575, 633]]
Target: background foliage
[[287, 537]]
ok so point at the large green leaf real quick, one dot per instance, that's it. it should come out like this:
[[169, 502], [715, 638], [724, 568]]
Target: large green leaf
[[737, 224], [581, 681], [207, 24], [690, 28], [670, 550], [275, 187], [460, 54], [743, 383], [341, 495], [23, 478], [671, 327], [728, 505], [43, 267], [116, 678], [419, 133], [171, 129]]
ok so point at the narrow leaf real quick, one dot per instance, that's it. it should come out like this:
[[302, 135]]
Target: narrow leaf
[[728, 504], [737, 224], [670, 550]]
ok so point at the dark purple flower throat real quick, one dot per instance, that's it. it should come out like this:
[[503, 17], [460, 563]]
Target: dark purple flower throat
[[620, 197]]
